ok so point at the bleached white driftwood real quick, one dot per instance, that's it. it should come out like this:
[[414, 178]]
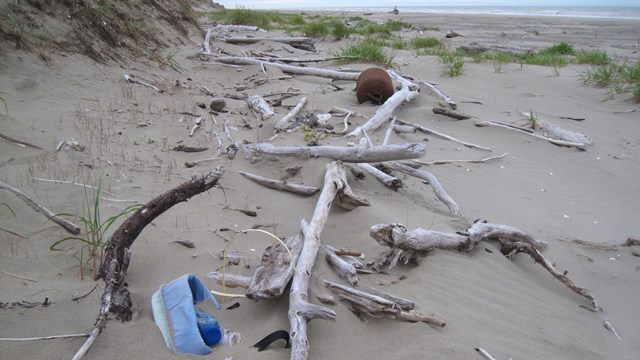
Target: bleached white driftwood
[[52, 337], [66, 224], [275, 270], [485, 354], [206, 48], [421, 240], [282, 124], [132, 79], [197, 122], [343, 153], [447, 137], [280, 184], [344, 269], [404, 303], [230, 280], [257, 103], [388, 180], [290, 69], [441, 194], [378, 307], [577, 145], [303, 43], [385, 111], [404, 129], [439, 93], [553, 131], [300, 310]]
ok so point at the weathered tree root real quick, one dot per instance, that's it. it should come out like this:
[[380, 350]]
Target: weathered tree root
[[116, 298]]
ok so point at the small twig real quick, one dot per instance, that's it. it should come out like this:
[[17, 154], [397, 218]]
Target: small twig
[[19, 142], [442, 162], [85, 295], [610, 327], [77, 184], [18, 276], [447, 137], [46, 337]]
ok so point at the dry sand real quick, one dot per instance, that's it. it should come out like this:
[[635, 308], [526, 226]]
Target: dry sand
[[512, 308]]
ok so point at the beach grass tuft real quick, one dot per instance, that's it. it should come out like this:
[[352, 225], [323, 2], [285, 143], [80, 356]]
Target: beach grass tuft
[[621, 78], [366, 50]]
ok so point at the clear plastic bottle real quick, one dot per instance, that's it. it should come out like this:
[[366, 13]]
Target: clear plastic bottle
[[209, 328]]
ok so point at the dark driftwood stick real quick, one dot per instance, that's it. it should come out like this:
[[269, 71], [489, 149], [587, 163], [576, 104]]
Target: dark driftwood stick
[[450, 113], [66, 224], [116, 297]]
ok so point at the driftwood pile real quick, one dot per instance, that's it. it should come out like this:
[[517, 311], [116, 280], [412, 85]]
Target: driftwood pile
[[294, 263]]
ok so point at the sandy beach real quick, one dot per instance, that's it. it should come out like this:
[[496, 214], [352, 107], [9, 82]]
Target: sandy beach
[[511, 307]]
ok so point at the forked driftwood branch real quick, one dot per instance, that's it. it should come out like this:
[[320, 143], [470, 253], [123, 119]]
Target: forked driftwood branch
[[290, 69], [356, 154], [300, 310], [512, 241], [577, 145], [116, 298], [66, 224]]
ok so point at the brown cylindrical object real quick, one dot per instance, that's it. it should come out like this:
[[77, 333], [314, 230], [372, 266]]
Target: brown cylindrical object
[[374, 85]]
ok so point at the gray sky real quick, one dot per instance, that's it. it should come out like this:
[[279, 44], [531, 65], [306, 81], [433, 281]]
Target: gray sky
[[273, 4]]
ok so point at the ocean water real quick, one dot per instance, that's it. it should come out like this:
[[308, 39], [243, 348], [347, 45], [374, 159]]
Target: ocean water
[[632, 13]]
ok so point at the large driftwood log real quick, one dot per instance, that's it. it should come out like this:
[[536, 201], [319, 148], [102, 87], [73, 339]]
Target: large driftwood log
[[384, 112], [378, 307], [303, 43], [300, 310], [441, 194], [347, 154], [280, 184], [66, 224], [275, 269], [116, 298], [290, 69]]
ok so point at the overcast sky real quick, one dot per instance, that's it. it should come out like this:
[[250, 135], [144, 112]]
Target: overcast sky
[[272, 4]]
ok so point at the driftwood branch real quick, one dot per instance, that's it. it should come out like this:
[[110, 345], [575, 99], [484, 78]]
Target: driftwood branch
[[385, 111], [388, 180], [450, 113], [378, 307], [580, 146], [290, 69], [282, 124], [116, 297], [441, 194], [280, 184], [439, 134], [19, 142], [521, 247], [230, 280], [303, 43], [345, 270], [66, 224], [300, 310], [479, 161], [439, 93], [347, 154]]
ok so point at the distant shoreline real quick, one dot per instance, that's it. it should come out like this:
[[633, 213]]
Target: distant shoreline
[[586, 12]]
